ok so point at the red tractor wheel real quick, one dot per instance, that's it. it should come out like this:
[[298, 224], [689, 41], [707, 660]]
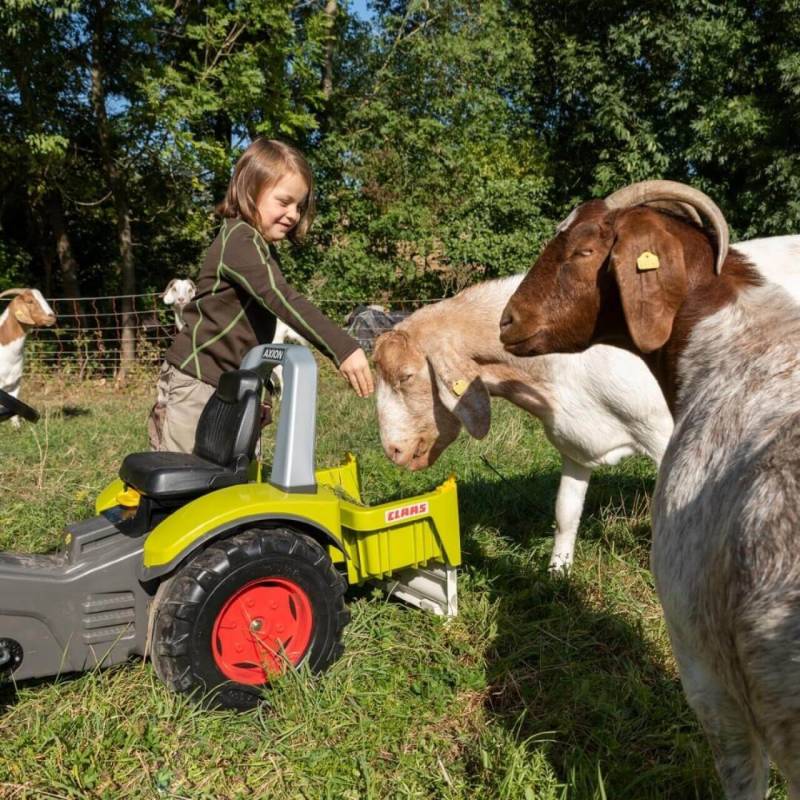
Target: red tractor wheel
[[245, 609], [265, 625]]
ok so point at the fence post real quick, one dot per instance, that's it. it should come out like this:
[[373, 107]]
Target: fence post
[[127, 343]]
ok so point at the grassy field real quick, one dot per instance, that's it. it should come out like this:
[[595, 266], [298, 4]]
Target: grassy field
[[541, 688]]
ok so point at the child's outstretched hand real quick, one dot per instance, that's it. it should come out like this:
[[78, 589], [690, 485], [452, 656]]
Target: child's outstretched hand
[[356, 369]]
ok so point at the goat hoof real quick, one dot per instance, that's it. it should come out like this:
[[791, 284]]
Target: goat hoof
[[559, 568]]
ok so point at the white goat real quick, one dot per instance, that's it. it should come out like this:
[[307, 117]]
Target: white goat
[[726, 511], [437, 369], [178, 294], [27, 310]]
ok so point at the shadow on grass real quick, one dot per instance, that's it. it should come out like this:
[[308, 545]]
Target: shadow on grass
[[70, 412], [522, 507], [9, 690], [571, 663]]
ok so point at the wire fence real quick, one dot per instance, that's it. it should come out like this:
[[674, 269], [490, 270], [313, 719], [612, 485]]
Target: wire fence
[[87, 339], [87, 336]]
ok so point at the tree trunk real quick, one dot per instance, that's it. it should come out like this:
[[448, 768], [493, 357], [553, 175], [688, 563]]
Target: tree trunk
[[118, 189], [38, 214], [331, 9], [67, 262]]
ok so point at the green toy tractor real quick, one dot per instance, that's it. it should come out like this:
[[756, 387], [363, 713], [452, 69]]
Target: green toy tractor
[[222, 576]]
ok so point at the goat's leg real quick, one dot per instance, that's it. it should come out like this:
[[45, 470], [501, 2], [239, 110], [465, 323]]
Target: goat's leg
[[739, 754], [783, 730], [770, 647], [14, 392], [569, 507], [782, 738]]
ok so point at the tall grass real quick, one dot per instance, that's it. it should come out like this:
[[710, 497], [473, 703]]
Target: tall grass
[[542, 688]]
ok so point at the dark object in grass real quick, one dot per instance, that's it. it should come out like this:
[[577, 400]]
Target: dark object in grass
[[75, 411], [10, 407]]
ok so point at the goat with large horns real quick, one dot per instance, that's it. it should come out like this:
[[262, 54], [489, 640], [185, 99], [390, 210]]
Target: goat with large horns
[[725, 347], [27, 310]]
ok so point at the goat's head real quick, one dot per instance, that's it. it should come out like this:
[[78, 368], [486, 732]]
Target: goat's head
[[29, 308], [616, 267], [424, 397], [179, 292]]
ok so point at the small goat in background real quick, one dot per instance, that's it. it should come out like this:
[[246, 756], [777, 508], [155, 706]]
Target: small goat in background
[[27, 310], [178, 294]]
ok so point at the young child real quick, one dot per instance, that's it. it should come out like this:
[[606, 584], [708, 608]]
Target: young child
[[241, 292]]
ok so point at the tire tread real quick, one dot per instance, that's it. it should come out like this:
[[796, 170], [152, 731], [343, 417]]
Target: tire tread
[[178, 611]]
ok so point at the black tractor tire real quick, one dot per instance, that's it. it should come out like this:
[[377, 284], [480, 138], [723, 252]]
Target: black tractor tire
[[203, 618]]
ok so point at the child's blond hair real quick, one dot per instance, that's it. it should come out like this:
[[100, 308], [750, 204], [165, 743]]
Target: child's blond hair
[[260, 167]]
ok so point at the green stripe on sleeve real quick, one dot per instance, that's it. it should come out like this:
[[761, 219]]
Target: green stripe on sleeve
[[286, 303]]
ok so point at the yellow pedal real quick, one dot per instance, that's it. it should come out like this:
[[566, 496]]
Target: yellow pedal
[[129, 498]]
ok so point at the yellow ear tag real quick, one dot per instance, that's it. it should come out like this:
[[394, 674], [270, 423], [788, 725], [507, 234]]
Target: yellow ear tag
[[648, 260], [459, 387]]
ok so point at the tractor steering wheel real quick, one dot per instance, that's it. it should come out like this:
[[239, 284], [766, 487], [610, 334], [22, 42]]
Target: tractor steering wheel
[[11, 407]]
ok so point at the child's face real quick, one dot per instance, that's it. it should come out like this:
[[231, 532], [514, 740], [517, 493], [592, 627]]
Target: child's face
[[280, 206]]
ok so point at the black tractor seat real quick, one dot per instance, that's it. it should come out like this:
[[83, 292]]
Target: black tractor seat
[[224, 446]]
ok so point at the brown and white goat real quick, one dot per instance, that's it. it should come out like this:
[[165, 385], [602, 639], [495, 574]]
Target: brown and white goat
[[437, 369], [725, 347], [27, 310]]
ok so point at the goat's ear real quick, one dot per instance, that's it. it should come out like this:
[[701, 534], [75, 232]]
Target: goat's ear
[[192, 286], [649, 266], [390, 349], [169, 296], [23, 315], [462, 391]]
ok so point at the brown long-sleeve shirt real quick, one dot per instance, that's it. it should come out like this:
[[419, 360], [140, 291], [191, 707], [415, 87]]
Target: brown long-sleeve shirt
[[240, 292]]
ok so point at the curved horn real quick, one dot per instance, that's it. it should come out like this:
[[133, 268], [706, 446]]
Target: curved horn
[[645, 192], [10, 292], [565, 223], [683, 209]]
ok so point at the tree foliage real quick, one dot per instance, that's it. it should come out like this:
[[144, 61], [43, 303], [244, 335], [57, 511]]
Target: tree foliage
[[447, 137]]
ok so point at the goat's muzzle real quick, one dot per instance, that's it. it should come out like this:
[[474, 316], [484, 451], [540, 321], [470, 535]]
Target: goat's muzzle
[[515, 331], [413, 454]]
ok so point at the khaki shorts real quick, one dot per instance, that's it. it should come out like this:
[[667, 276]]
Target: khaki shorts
[[180, 399]]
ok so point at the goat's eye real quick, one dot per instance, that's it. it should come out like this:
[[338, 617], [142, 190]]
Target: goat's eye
[[406, 377], [585, 252]]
